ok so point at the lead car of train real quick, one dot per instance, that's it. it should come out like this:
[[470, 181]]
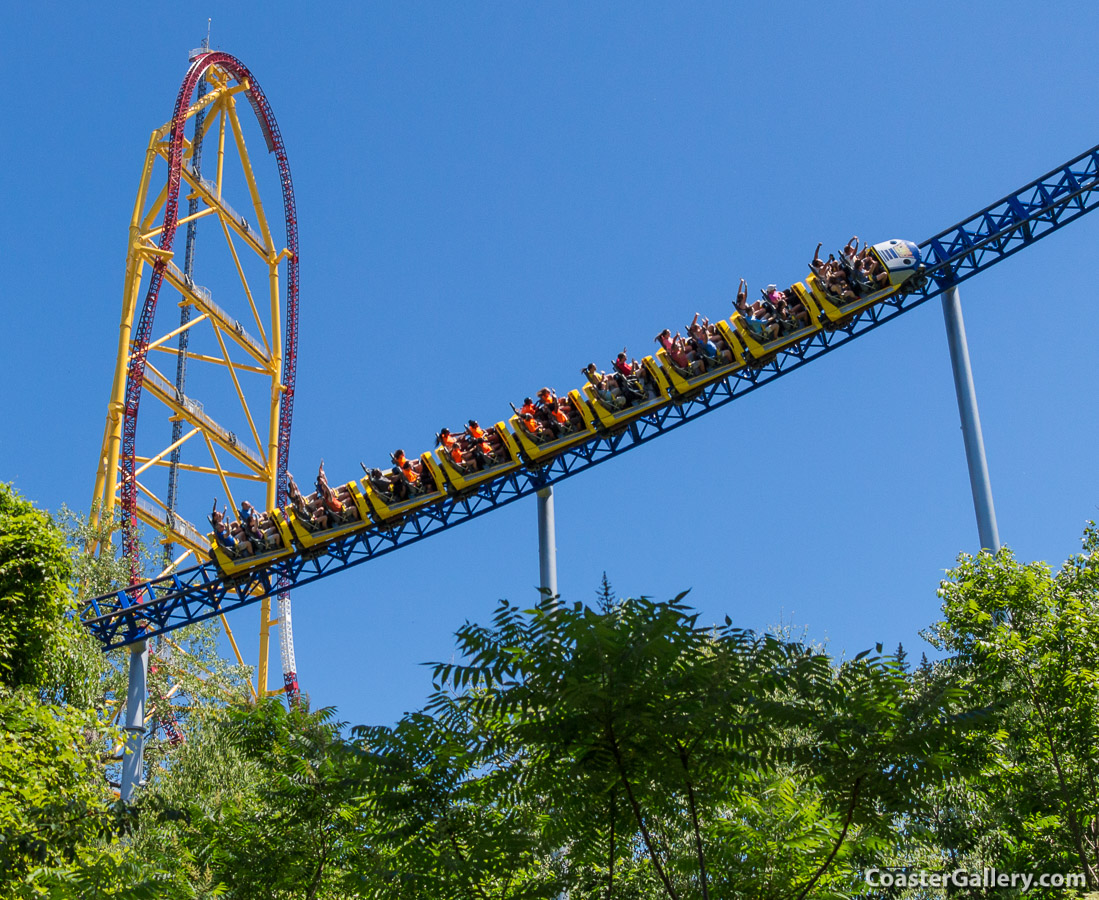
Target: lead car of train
[[604, 405]]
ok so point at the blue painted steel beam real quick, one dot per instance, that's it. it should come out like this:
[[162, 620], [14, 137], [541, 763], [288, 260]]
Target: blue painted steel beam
[[952, 256]]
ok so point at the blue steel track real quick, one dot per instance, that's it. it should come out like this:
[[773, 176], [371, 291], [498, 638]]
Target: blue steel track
[[950, 257]]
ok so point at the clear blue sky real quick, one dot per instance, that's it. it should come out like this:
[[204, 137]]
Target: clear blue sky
[[535, 185]]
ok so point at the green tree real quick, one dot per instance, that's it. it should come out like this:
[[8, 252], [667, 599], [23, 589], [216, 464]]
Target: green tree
[[719, 762], [35, 568], [287, 819], [59, 825], [1024, 638]]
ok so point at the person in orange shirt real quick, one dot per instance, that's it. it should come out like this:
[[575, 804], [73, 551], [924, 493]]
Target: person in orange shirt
[[453, 449], [533, 427], [479, 447], [412, 480], [552, 414]]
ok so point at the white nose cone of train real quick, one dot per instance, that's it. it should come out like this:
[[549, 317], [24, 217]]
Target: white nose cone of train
[[900, 258]]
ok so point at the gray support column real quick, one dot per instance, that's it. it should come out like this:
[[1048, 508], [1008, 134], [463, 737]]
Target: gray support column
[[133, 768], [971, 422], [547, 542]]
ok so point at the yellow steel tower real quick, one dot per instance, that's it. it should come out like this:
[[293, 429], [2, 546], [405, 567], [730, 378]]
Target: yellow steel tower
[[222, 340]]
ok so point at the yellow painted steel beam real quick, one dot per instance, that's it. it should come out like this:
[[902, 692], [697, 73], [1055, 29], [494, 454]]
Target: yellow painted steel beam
[[103, 500], [204, 470], [178, 561], [217, 361], [196, 546], [263, 356], [165, 392], [148, 493], [201, 214], [211, 96], [221, 474], [213, 200], [250, 178], [221, 153], [156, 345], [244, 284], [156, 207], [240, 394], [240, 336], [154, 460]]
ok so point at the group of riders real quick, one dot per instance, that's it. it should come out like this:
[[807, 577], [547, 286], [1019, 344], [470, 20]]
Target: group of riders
[[856, 273]]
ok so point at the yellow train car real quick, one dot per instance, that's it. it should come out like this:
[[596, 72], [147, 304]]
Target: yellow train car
[[763, 351], [276, 531], [687, 386], [836, 315], [612, 419], [900, 259], [355, 508], [583, 428], [385, 512], [504, 442]]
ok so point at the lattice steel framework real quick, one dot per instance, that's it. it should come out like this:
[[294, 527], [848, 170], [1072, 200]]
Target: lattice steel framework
[[260, 365], [956, 254]]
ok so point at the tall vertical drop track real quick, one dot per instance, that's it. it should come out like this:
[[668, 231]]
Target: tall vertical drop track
[[239, 355]]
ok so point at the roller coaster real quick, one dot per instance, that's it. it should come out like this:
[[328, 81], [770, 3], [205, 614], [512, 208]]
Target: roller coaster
[[299, 540]]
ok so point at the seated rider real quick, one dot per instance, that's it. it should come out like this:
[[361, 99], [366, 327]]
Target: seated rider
[[398, 458], [224, 536], [296, 498], [784, 314], [676, 351], [707, 349], [552, 415], [453, 451], [249, 524], [414, 482], [597, 380], [753, 320], [633, 371], [850, 252], [321, 520], [479, 447], [817, 265], [631, 389], [533, 428], [333, 507], [381, 485]]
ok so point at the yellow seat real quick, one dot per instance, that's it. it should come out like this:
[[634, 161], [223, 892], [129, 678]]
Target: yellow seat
[[463, 481], [308, 538], [685, 386], [535, 451], [611, 420], [764, 351], [836, 314], [384, 512]]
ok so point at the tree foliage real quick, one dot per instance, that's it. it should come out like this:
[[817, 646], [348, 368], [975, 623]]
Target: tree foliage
[[35, 568], [610, 751], [1024, 638]]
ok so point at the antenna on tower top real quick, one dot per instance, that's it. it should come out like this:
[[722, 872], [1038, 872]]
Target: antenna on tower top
[[205, 48]]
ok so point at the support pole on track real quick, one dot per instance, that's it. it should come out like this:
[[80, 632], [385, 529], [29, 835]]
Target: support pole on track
[[971, 422], [547, 543], [133, 761]]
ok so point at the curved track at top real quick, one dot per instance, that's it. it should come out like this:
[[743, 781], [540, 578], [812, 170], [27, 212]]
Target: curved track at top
[[950, 257], [135, 375]]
